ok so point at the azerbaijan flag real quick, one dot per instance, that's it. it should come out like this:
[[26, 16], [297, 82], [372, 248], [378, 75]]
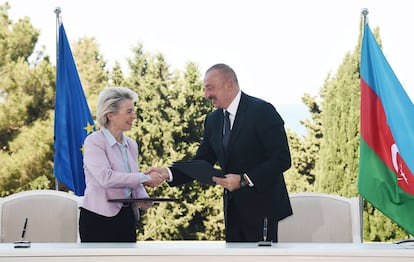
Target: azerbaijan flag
[[387, 138]]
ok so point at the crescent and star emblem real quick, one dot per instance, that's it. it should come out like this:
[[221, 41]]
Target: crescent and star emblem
[[397, 163]]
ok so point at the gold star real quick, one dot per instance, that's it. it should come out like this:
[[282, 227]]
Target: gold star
[[89, 128]]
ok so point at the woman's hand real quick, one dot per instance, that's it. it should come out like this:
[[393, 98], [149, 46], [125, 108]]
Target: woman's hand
[[156, 179]]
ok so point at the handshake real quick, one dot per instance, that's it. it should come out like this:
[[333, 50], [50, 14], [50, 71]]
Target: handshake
[[157, 175]]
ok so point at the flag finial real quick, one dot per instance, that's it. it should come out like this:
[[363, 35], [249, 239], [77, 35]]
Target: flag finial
[[365, 12], [57, 11]]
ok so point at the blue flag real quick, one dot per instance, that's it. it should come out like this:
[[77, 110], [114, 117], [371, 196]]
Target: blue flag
[[73, 120]]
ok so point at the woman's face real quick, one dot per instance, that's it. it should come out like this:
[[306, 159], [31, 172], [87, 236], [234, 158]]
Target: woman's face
[[124, 118]]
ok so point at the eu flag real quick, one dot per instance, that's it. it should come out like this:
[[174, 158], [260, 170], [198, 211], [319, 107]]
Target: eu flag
[[73, 120]]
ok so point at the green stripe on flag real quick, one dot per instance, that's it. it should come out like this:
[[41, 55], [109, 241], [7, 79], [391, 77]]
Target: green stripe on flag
[[378, 185]]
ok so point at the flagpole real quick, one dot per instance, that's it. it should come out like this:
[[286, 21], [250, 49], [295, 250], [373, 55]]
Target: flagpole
[[57, 11], [364, 13]]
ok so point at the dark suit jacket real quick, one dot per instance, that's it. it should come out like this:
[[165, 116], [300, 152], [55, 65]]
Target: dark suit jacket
[[258, 146]]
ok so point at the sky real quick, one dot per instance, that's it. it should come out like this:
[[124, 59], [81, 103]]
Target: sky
[[280, 50]]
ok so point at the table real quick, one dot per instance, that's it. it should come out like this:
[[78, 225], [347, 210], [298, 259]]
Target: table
[[207, 251]]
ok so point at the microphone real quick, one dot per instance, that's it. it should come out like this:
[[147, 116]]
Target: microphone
[[22, 243]]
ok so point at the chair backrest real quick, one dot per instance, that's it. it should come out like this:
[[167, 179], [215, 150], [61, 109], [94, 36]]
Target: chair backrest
[[322, 218], [52, 216]]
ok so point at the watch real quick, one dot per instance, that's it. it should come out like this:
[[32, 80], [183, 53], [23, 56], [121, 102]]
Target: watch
[[247, 180], [242, 181]]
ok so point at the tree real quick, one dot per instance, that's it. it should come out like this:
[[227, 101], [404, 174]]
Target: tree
[[17, 40], [337, 167], [296, 181], [28, 166], [304, 150], [25, 110], [116, 75], [91, 67]]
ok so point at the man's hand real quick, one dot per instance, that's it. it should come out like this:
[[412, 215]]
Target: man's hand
[[163, 171], [156, 179], [158, 175], [230, 182]]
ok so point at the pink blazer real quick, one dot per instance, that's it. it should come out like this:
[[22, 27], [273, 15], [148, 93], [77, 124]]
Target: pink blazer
[[105, 176]]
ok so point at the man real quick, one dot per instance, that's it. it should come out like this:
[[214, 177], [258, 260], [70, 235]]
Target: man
[[253, 155]]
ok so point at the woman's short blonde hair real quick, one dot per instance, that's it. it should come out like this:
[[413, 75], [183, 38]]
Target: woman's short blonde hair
[[109, 101]]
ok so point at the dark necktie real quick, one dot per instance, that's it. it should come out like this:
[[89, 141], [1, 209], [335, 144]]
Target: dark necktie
[[226, 130]]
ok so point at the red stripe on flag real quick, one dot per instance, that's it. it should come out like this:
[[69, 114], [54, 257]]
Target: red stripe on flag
[[377, 135]]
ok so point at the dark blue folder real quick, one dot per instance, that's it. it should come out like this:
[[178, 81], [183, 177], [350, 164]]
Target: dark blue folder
[[199, 170]]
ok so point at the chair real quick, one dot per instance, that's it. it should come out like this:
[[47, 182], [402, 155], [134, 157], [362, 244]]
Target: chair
[[52, 216], [322, 218]]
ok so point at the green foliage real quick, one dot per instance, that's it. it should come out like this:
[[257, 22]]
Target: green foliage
[[26, 125], [25, 96], [338, 166], [91, 66], [17, 40], [117, 76], [28, 163], [304, 150]]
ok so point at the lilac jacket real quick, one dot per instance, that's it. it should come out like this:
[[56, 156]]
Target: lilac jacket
[[105, 176]]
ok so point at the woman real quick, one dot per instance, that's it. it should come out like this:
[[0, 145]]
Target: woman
[[111, 172]]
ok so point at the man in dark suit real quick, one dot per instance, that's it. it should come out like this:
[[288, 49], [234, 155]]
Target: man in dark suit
[[253, 155]]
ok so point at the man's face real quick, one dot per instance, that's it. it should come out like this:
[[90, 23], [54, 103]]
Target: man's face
[[217, 89]]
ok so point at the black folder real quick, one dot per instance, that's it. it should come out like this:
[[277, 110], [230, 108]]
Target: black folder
[[146, 199], [199, 170]]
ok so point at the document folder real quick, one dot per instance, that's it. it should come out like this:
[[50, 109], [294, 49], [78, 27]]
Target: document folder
[[199, 170], [146, 199]]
